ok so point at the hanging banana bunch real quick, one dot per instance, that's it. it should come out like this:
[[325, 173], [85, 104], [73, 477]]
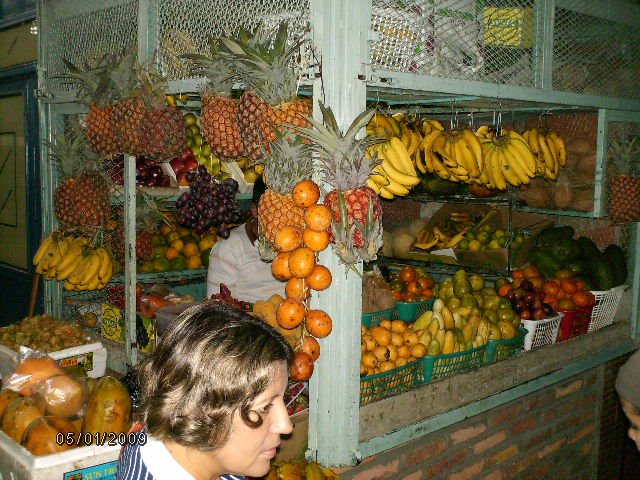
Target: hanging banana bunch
[[508, 159], [549, 150]]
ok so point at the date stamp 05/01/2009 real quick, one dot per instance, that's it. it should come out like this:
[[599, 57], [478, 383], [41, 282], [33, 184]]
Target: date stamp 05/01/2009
[[101, 439]]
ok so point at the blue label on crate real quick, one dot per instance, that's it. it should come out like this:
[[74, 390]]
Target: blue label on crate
[[104, 471]]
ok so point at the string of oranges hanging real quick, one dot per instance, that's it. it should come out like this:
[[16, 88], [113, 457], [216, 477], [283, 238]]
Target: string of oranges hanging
[[297, 264]]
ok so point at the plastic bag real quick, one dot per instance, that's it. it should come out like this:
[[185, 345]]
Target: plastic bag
[[63, 396], [34, 367]]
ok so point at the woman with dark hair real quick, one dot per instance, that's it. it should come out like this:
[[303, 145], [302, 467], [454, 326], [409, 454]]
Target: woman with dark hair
[[212, 399], [236, 261]]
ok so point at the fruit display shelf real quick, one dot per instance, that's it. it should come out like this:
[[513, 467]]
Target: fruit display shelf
[[439, 265], [502, 199]]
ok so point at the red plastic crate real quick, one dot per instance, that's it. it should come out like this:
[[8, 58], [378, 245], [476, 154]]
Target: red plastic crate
[[574, 323]]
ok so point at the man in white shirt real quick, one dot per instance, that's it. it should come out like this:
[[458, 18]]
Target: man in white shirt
[[236, 261]]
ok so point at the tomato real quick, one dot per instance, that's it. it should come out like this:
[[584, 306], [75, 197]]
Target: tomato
[[408, 274]]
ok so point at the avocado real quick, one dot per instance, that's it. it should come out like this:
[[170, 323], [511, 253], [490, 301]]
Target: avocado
[[614, 255], [545, 263], [549, 236], [602, 273], [564, 250], [588, 248], [576, 266], [437, 186]]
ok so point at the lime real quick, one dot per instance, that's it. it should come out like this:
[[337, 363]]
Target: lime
[[204, 256], [161, 265], [502, 241], [474, 245], [194, 130], [519, 239], [483, 237], [499, 233], [158, 251], [190, 119], [494, 245], [470, 236], [190, 142], [179, 263], [464, 245]]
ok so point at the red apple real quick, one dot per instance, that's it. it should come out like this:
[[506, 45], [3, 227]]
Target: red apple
[[178, 166], [190, 164]]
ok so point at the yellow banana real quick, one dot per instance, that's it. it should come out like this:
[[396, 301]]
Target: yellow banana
[[496, 171], [516, 165], [312, 472], [399, 154], [93, 283], [547, 154], [484, 132], [520, 149], [465, 157], [560, 147], [420, 161], [380, 124], [406, 136], [505, 168], [487, 152], [105, 261], [74, 250], [455, 240], [396, 129], [69, 286], [378, 176], [440, 147], [393, 173], [439, 169], [429, 138], [78, 273], [373, 185], [397, 188], [384, 193], [416, 138], [474, 145], [59, 251], [42, 249], [93, 265], [64, 274], [533, 140]]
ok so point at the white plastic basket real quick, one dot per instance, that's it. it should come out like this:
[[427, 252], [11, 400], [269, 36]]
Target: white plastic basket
[[541, 332], [604, 310]]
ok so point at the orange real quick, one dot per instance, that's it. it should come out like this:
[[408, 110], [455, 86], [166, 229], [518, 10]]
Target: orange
[[297, 288], [316, 241], [311, 346], [171, 253], [584, 298], [302, 262], [551, 287], [320, 278], [530, 272], [504, 289], [178, 244], [564, 274], [319, 323], [396, 294], [517, 274], [194, 261], [280, 266], [191, 249], [288, 239], [318, 217], [408, 274], [569, 285], [290, 313], [305, 193], [381, 335], [566, 304]]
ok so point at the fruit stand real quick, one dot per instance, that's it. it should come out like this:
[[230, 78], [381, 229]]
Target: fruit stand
[[459, 89]]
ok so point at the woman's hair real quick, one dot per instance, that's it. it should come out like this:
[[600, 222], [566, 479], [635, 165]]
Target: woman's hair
[[212, 361]]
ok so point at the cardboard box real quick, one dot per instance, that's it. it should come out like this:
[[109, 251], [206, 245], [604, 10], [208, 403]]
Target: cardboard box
[[113, 327], [495, 259], [80, 463], [294, 445], [509, 27]]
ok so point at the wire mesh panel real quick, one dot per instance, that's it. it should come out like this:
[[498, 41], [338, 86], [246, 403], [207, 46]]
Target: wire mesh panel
[[595, 55], [465, 39], [186, 26], [87, 37], [623, 172]]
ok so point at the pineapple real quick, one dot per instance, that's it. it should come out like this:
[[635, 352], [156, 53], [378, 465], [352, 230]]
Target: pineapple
[[272, 86], [146, 124], [81, 200], [624, 184], [356, 230], [99, 93], [289, 162], [219, 115], [149, 215]]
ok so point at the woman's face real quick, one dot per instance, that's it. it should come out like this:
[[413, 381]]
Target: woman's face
[[249, 450]]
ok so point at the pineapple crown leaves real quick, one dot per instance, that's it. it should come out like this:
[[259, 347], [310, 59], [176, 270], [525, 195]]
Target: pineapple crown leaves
[[344, 162], [150, 212], [290, 161], [625, 156], [96, 85], [215, 67], [71, 153], [264, 65]]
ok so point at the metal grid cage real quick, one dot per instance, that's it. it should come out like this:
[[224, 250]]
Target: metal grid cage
[[593, 55], [86, 37], [187, 26]]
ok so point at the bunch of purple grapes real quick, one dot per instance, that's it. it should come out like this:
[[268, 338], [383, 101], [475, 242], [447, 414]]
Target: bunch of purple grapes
[[209, 203]]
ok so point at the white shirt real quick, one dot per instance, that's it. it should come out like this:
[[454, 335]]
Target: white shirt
[[236, 263]]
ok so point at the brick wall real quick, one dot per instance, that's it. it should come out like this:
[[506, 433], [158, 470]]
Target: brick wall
[[549, 434]]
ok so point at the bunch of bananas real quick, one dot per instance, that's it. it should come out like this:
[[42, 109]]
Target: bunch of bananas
[[447, 234], [454, 155], [73, 261], [299, 470], [507, 159], [396, 174], [549, 150]]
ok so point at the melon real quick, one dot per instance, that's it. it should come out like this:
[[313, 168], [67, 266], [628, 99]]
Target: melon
[[18, 416], [41, 438], [109, 408]]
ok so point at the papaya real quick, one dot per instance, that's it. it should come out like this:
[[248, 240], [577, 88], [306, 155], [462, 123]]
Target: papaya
[[602, 274], [545, 263], [549, 236], [43, 436], [6, 397], [109, 408], [615, 256], [18, 415], [563, 250]]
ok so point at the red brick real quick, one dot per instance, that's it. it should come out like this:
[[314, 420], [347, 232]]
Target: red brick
[[469, 472], [521, 465], [586, 449], [446, 463], [505, 415], [534, 403], [572, 387], [413, 476], [425, 452], [378, 471], [540, 438], [465, 434], [503, 456], [497, 475], [541, 471], [554, 447], [527, 424], [489, 442]]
